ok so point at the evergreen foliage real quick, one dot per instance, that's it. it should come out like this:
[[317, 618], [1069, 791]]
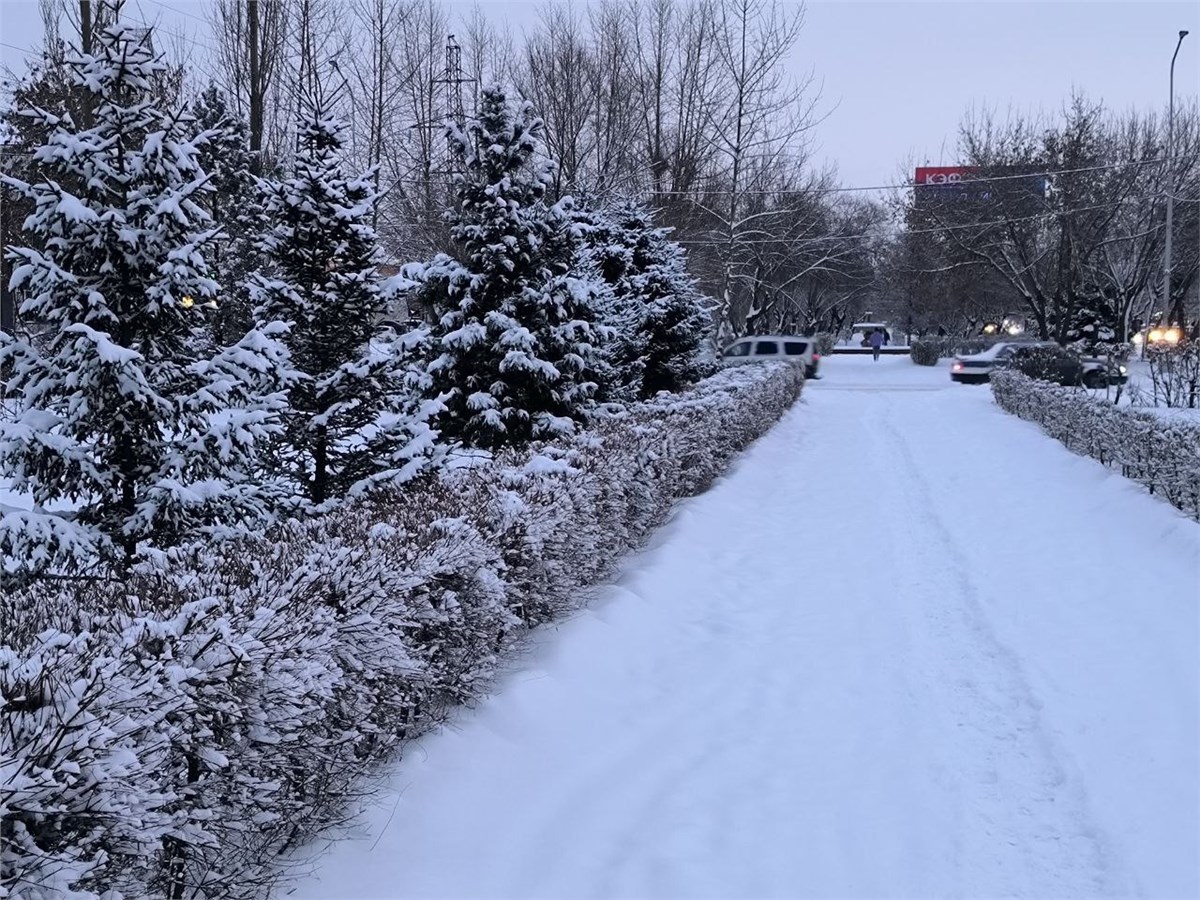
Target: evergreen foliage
[[354, 417], [517, 338], [232, 203], [125, 434], [658, 313]]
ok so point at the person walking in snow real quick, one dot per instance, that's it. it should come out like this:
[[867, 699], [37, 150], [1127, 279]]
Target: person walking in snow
[[876, 342]]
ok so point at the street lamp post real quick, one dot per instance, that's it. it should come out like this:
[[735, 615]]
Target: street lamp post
[[1170, 179]]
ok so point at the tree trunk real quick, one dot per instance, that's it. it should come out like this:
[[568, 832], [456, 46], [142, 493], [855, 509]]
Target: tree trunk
[[85, 26], [320, 482], [256, 88]]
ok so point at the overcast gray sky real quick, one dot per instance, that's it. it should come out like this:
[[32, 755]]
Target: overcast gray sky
[[896, 76]]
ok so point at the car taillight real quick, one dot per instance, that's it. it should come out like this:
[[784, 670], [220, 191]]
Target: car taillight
[[816, 356]]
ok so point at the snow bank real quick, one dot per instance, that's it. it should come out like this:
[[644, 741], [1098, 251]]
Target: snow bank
[[175, 733], [1159, 452]]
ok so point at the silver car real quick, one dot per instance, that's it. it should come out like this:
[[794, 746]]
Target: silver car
[[767, 347]]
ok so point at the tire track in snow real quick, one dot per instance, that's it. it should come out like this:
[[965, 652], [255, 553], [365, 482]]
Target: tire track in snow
[[705, 819], [1002, 758]]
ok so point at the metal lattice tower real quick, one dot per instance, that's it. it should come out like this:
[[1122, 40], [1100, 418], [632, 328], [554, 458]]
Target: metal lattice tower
[[452, 81]]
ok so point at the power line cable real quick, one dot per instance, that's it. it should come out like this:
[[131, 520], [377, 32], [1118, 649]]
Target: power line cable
[[176, 33], [181, 12], [19, 49], [908, 185], [939, 230], [699, 194]]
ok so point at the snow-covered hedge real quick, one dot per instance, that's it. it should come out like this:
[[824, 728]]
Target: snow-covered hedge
[[925, 353], [172, 735], [932, 346], [1162, 454]]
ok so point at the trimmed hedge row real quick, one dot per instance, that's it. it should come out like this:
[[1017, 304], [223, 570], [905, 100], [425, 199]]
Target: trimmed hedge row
[[1162, 454], [175, 734], [923, 353], [942, 347]]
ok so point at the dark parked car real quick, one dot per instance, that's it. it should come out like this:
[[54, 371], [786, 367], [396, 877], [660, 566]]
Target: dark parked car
[[1100, 372], [1048, 363], [1091, 372]]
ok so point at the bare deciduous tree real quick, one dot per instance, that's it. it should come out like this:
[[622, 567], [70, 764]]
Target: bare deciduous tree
[[760, 129], [250, 64], [1068, 217], [558, 77]]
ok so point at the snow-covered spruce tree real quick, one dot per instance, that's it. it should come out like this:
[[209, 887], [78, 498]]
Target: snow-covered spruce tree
[[232, 203], [355, 418], [659, 315], [121, 426], [517, 339]]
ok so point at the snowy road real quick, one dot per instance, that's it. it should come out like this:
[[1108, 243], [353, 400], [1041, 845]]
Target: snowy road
[[910, 647]]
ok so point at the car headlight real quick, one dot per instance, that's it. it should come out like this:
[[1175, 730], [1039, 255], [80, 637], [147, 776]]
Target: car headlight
[[1122, 370]]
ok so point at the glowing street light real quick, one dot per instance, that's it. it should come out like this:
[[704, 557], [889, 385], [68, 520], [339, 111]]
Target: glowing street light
[[1172, 335], [1170, 177]]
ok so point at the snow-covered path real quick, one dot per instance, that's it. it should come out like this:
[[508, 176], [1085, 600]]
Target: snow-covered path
[[908, 647]]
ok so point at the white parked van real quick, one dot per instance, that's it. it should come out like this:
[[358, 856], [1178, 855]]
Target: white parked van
[[766, 347]]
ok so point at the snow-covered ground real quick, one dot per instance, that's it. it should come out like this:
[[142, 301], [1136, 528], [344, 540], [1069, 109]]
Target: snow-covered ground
[[1140, 381], [908, 647]]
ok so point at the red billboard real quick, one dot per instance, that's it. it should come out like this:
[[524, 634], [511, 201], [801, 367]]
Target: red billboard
[[940, 175], [1011, 186], [939, 185]]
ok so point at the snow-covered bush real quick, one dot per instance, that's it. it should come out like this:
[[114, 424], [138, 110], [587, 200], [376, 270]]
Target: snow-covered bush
[[129, 424], [825, 343], [517, 339], [174, 734], [75, 746], [953, 346], [925, 353], [1162, 454]]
